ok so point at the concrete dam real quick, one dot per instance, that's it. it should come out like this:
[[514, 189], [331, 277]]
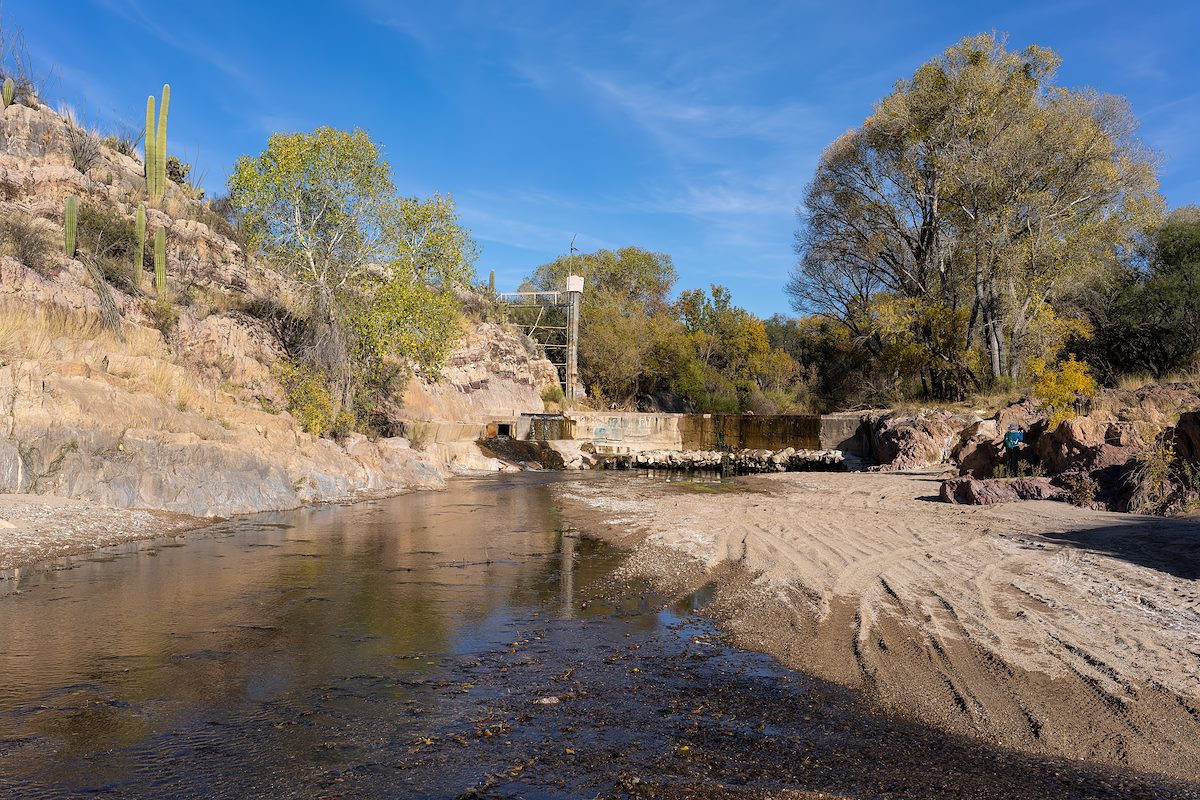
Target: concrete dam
[[625, 433]]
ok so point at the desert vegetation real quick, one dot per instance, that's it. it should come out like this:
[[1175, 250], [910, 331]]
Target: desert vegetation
[[364, 289], [697, 350], [377, 275]]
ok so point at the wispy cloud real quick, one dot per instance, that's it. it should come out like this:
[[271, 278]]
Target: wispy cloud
[[675, 115], [399, 19], [131, 11], [489, 226]]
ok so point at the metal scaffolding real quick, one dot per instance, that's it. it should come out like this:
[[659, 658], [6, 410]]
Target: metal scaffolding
[[566, 357]]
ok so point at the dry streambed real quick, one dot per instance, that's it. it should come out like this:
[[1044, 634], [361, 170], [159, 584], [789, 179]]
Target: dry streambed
[[1036, 626]]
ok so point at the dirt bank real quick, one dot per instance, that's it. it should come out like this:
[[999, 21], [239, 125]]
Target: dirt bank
[[1037, 626]]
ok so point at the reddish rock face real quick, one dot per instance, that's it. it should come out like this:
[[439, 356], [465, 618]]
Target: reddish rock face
[[1103, 444], [974, 492], [1080, 445], [919, 440]]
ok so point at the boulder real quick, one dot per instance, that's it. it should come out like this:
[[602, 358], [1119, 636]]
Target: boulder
[[978, 449], [974, 492], [1073, 444], [916, 441], [570, 451], [980, 459]]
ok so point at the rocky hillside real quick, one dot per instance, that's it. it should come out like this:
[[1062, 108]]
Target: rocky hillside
[[104, 400]]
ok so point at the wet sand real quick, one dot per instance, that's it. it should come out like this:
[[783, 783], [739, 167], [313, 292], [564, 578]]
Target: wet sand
[[1035, 626]]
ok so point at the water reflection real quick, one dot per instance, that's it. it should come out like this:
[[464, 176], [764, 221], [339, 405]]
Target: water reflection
[[111, 650]]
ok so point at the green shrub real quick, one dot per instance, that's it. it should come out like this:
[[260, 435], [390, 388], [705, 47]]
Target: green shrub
[[344, 423], [177, 171], [163, 315], [308, 397], [553, 394], [102, 233], [1153, 476], [123, 141], [23, 239], [118, 274], [1081, 489]]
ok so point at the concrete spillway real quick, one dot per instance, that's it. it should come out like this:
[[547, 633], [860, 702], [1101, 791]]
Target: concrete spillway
[[630, 432]]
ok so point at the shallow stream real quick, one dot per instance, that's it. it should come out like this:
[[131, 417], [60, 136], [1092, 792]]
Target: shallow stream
[[441, 644]]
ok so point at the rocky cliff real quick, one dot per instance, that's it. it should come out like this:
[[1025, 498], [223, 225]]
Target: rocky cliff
[[102, 401]]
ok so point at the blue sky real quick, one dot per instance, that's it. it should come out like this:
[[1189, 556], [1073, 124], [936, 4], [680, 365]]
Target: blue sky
[[686, 127]]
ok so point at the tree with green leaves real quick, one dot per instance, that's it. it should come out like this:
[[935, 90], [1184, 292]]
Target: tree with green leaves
[[978, 195], [624, 290], [1146, 319], [376, 274], [635, 342]]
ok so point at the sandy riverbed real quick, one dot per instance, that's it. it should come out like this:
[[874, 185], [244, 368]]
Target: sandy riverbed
[[1037, 626], [39, 527]]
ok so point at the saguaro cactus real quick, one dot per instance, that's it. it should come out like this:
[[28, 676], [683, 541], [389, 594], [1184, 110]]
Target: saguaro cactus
[[69, 223], [9, 92], [139, 231], [160, 264], [156, 146]]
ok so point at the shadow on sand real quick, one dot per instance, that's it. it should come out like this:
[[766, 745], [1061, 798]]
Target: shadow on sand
[[1167, 545]]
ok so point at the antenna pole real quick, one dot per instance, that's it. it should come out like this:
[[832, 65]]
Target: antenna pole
[[574, 296]]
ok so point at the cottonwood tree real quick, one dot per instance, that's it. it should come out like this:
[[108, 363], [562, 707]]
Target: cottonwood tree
[[975, 197]]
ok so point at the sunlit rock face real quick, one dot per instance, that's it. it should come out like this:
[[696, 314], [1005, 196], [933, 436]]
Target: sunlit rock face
[[192, 423], [490, 373]]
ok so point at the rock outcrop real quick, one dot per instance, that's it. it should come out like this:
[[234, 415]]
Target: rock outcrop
[[192, 421], [1099, 448], [491, 373], [76, 431], [917, 440]]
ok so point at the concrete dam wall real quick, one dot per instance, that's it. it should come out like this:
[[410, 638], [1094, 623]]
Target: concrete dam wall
[[631, 432]]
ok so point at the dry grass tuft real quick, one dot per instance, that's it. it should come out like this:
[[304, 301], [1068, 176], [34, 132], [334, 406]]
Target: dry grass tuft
[[24, 238], [1131, 383], [53, 332]]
